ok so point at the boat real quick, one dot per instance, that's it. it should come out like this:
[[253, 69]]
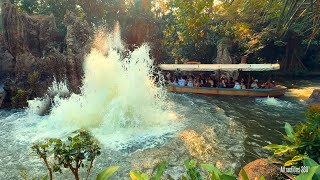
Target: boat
[[272, 92], [277, 91]]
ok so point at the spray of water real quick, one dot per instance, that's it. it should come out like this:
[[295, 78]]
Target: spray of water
[[271, 101], [119, 98]]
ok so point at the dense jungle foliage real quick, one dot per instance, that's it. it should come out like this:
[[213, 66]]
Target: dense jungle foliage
[[266, 31]]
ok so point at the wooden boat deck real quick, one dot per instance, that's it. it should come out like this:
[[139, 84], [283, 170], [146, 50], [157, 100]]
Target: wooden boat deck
[[273, 92]]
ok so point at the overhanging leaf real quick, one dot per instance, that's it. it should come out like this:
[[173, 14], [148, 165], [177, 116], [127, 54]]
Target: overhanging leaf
[[107, 173], [290, 133], [309, 174]]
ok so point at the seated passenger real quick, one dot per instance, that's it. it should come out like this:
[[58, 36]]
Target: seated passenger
[[174, 81], [268, 84], [211, 82], [181, 81], [222, 83], [231, 83], [196, 83], [243, 86], [190, 82], [254, 84], [237, 85]]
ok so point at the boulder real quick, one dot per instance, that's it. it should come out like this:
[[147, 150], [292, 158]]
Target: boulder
[[260, 167], [314, 98]]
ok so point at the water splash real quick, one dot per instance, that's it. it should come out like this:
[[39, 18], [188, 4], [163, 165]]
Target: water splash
[[271, 101], [119, 100]]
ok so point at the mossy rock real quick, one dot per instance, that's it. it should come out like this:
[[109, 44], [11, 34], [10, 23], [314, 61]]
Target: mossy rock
[[20, 99]]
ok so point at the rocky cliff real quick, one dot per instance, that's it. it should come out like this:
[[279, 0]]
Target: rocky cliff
[[33, 53]]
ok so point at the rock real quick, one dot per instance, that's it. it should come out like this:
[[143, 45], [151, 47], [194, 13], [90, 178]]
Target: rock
[[314, 98], [27, 34], [78, 45], [260, 167], [3, 94], [31, 52], [223, 57], [6, 59]]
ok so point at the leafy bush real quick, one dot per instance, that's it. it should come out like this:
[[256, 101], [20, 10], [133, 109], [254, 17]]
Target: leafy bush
[[303, 142], [71, 155]]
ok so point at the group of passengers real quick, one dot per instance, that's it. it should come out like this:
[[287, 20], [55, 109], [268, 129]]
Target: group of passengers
[[201, 80]]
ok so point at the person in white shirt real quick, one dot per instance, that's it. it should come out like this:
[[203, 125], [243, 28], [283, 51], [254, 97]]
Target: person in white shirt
[[243, 86], [237, 85], [190, 82], [254, 84]]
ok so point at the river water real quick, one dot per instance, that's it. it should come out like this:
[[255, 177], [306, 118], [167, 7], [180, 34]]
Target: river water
[[139, 124], [229, 131]]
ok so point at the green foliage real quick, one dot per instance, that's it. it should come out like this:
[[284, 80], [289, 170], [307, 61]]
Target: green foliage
[[107, 173], [216, 174], [159, 170], [73, 154], [244, 174], [135, 175], [302, 142], [20, 99], [192, 171], [314, 170]]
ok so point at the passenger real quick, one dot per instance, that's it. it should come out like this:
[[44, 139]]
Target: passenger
[[168, 77], [203, 80], [196, 83], [174, 81], [190, 81], [243, 86], [254, 84], [181, 81], [242, 81], [206, 82], [222, 83], [211, 82], [231, 83], [237, 85], [269, 84]]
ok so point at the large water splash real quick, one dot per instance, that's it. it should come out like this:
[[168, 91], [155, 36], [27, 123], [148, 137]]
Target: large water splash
[[119, 99]]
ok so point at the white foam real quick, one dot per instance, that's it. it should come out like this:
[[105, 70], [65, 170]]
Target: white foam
[[271, 101], [119, 100]]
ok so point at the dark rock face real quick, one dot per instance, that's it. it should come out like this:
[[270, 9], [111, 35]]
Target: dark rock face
[[31, 53], [78, 45], [7, 61], [27, 34], [314, 98]]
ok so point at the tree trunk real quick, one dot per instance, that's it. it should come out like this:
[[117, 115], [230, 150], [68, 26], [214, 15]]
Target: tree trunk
[[291, 61]]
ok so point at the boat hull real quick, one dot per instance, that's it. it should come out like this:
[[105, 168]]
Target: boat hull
[[274, 92]]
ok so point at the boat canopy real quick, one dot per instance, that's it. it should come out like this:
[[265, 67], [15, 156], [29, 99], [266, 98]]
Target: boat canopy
[[223, 67]]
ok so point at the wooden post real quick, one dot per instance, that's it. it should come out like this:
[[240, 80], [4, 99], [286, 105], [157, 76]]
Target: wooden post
[[248, 83]]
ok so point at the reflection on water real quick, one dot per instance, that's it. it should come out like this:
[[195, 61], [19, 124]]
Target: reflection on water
[[228, 131]]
